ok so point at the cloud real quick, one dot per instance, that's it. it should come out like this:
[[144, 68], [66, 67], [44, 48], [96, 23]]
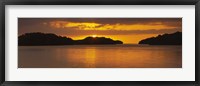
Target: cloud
[[117, 26], [66, 24]]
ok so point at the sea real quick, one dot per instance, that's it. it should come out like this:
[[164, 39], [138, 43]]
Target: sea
[[100, 56]]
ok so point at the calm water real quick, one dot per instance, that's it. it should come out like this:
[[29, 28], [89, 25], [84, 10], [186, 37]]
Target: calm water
[[100, 56]]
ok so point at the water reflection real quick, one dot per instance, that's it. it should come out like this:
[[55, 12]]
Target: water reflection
[[100, 56]]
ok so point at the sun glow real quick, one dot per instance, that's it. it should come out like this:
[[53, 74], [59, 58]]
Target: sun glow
[[94, 36]]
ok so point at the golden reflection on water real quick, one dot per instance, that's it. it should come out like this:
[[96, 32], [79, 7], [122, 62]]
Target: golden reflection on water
[[100, 56], [90, 56]]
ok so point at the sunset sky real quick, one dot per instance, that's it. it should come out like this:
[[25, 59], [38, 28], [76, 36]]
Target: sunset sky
[[128, 30]]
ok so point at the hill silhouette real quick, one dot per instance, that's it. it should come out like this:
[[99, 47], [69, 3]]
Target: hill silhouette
[[37, 38], [97, 40], [165, 39]]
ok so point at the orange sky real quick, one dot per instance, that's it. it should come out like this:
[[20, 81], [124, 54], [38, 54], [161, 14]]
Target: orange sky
[[128, 30]]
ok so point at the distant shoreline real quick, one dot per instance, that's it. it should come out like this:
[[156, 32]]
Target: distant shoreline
[[49, 39], [164, 39], [37, 38]]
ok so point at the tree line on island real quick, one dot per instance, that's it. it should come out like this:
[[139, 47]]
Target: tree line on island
[[165, 39], [38, 38]]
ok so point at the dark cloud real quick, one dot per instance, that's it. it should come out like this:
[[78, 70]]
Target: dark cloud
[[106, 20]]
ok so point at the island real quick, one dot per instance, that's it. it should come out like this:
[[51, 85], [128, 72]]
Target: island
[[39, 39], [165, 39]]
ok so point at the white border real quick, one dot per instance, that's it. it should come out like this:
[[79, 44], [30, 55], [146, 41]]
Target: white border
[[187, 73]]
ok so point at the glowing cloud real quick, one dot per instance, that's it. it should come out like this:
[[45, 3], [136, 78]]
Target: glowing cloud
[[66, 24], [118, 26]]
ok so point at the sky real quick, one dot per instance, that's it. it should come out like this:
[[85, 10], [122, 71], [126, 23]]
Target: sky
[[128, 30]]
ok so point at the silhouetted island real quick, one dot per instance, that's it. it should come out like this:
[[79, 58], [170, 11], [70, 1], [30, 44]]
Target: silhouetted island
[[37, 38], [165, 39]]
